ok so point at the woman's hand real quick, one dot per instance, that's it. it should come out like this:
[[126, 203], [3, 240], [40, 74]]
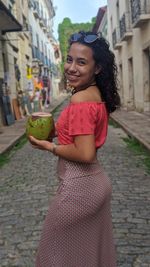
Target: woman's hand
[[40, 144], [52, 134]]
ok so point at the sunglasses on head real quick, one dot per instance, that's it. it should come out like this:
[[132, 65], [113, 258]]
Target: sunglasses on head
[[89, 38]]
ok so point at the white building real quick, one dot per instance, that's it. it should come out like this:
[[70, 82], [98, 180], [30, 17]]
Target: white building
[[129, 35], [44, 62], [101, 24], [9, 47], [27, 50]]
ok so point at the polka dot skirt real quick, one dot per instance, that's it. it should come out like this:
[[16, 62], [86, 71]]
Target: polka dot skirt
[[78, 229]]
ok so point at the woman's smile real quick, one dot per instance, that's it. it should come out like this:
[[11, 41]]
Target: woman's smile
[[71, 77]]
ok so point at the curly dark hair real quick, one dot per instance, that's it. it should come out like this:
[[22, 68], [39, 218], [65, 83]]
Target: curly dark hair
[[106, 80]]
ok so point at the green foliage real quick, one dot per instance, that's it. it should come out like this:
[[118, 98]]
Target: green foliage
[[140, 151], [65, 29], [5, 157], [113, 123], [137, 148]]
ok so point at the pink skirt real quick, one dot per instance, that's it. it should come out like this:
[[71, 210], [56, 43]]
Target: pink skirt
[[78, 228]]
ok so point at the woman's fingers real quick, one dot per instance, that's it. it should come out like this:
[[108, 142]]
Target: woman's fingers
[[40, 144], [33, 139]]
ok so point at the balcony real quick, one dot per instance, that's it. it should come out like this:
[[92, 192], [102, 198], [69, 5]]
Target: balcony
[[36, 10], [31, 3], [125, 27], [41, 22], [140, 10], [8, 23], [45, 25], [116, 39]]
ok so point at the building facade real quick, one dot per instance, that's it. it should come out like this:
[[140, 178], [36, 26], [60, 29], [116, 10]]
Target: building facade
[[101, 25], [9, 27], [129, 35], [27, 53], [44, 60]]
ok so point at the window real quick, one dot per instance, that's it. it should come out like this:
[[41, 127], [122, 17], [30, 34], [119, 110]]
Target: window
[[37, 40]]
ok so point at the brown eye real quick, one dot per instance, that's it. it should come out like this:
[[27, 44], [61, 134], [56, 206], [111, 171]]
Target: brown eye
[[69, 60], [81, 62]]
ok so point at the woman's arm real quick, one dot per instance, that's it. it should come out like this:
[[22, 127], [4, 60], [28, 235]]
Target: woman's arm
[[83, 149]]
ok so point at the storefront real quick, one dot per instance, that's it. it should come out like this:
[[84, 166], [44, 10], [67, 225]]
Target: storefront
[[8, 23]]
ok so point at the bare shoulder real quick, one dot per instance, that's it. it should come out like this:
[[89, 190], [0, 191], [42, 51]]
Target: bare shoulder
[[89, 95], [78, 97]]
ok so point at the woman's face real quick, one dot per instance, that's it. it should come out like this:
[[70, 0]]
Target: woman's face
[[80, 67]]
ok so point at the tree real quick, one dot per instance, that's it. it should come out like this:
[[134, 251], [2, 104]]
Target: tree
[[65, 29]]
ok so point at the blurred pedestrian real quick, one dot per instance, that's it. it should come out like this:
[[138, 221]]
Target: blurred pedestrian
[[37, 100]]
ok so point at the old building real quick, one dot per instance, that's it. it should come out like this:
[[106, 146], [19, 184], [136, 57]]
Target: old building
[[129, 35], [27, 52], [101, 24], [44, 58], [9, 26]]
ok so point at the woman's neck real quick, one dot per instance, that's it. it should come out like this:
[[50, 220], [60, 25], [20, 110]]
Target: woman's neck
[[75, 90]]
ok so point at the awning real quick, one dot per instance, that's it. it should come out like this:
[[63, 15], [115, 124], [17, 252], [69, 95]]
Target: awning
[[8, 22]]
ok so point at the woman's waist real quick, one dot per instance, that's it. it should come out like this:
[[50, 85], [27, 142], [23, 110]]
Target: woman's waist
[[72, 169]]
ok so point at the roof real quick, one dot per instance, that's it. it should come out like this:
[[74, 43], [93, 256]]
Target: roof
[[99, 17], [8, 22]]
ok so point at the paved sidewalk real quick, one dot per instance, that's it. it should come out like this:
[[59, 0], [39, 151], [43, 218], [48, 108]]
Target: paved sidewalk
[[11, 134], [135, 124]]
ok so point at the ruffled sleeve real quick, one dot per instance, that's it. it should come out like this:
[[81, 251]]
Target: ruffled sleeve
[[82, 118]]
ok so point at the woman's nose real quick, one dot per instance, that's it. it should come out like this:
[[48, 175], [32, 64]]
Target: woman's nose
[[72, 67]]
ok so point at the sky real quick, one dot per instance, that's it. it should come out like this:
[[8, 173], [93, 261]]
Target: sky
[[77, 10]]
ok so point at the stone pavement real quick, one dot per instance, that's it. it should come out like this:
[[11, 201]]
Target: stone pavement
[[28, 183]]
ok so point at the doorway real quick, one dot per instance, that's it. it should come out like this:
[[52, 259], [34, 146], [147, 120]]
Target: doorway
[[146, 79], [131, 100]]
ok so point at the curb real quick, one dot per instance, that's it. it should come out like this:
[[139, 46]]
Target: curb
[[130, 132]]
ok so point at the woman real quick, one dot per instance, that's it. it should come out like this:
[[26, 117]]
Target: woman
[[78, 228]]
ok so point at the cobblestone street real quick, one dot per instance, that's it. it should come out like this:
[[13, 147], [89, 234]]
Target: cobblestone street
[[28, 183]]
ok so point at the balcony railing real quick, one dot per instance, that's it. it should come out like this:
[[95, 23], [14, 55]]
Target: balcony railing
[[31, 3], [36, 9], [125, 27], [140, 10], [116, 38], [41, 22]]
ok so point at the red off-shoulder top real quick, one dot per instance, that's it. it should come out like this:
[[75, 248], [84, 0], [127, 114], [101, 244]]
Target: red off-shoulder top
[[83, 118]]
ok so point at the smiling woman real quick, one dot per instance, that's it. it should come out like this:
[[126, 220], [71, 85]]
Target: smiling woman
[[80, 68], [78, 228]]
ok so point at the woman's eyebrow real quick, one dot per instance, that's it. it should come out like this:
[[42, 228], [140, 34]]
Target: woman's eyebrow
[[82, 58], [78, 58]]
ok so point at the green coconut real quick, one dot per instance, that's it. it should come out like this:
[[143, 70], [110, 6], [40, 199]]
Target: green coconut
[[40, 125]]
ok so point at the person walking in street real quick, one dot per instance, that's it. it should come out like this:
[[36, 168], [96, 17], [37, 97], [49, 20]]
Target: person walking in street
[[78, 229]]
